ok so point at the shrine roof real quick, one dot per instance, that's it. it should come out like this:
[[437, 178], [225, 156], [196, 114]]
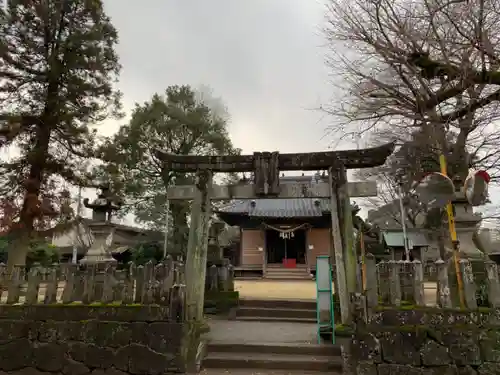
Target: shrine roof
[[396, 239], [278, 208]]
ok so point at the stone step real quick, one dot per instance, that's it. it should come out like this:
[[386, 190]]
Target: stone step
[[276, 269], [278, 303], [288, 277], [272, 362], [277, 320], [275, 348], [290, 273], [250, 371], [276, 312], [283, 269], [302, 271]]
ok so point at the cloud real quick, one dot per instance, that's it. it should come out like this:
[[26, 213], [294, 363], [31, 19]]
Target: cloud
[[264, 58]]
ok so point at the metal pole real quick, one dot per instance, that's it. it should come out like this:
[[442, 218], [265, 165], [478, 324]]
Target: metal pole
[[77, 228], [403, 223]]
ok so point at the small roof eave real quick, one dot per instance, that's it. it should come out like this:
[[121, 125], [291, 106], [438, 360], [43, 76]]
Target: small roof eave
[[396, 239]]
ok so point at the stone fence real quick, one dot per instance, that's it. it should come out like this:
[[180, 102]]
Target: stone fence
[[394, 332], [81, 340], [425, 341], [396, 283], [220, 277], [95, 319], [161, 283]]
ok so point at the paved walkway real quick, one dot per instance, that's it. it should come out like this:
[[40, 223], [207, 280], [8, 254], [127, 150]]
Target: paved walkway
[[233, 331], [263, 333]]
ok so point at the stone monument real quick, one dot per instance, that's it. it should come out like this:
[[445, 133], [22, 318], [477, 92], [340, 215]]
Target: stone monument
[[101, 227]]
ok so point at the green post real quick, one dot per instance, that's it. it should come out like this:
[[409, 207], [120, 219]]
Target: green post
[[324, 296]]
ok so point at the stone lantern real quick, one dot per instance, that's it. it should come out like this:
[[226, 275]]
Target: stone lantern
[[214, 250], [102, 228]]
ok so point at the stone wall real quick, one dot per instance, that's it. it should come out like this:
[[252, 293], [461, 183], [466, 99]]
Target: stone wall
[[79, 340], [426, 342]]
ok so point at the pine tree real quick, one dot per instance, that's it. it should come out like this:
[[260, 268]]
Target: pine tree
[[57, 69], [175, 122]]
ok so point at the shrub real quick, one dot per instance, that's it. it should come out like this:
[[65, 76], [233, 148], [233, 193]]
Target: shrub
[[42, 253], [144, 252]]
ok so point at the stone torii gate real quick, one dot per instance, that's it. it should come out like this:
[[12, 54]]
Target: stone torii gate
[[266, 167]]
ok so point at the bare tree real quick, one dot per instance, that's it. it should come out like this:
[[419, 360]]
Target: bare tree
[[427, 65]]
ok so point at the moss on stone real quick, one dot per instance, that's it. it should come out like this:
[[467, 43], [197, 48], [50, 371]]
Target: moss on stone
[[97, 304], [430, 329], [432, 309], [221, 302], [342, 330]]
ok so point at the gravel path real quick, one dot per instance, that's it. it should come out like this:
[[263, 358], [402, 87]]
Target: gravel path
[[293, 290]]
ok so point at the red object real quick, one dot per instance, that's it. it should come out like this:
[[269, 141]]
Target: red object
[[486, 177], [290, 263], [476, 188]]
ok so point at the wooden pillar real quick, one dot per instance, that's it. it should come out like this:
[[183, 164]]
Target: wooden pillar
[[196, 260], [337, 253], [308, 255]]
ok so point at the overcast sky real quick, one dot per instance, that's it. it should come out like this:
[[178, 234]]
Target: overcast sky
[[262, 57]]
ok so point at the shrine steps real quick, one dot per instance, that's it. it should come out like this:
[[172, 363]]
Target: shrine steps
[[276, 313], [293, 311], [276, 319], [274, 272], [302, 358], [279, 303]]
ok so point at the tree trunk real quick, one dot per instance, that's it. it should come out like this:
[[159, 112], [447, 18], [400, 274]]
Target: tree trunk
[[30, 210]]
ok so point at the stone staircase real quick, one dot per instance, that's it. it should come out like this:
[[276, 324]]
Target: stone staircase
[[266, 339], [277, 310], [278, 272], [299, 358]]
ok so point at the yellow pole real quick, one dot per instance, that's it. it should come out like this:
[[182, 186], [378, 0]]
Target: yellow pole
[[453, 235]]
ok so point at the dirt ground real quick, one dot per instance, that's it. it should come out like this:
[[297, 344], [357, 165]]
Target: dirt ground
[[300, 290], [276, 289]]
